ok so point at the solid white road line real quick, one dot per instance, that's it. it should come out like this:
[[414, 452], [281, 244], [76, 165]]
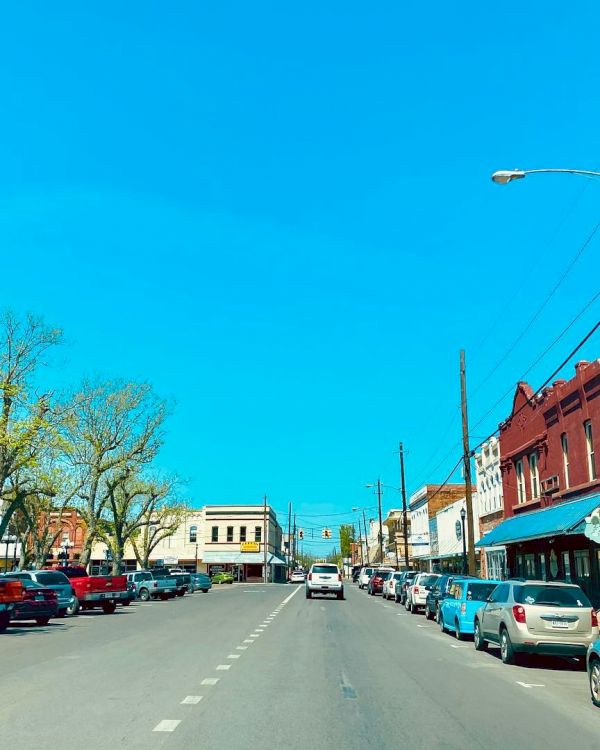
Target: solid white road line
[[223, 667], [167, 725], [191, 700], [210, 681]]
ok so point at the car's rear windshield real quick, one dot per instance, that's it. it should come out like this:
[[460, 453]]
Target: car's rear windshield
[[51, 578], [331, 569], [428, 580], [368, 571], [479, 592], [144, 577], [551, 596]]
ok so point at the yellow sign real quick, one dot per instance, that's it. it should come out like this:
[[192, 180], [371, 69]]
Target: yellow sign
[[249, 546]]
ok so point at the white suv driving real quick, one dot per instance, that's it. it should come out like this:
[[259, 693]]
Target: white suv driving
[[324, 578]]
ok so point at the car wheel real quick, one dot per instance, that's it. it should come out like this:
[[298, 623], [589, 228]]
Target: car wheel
[[478, 639], [340, 595], [436, 616], [4, 621], [61, 612], [441, 622], [73, 608], [457, 633], [406, 605], [428, 614], [595, 682], [126, 603], [180, 593], [42, 621], [507, 651], [205, 591], [144, 595], [109, 607]]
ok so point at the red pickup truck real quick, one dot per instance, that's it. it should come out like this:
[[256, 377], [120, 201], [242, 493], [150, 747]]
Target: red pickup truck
[[96, 591], [11, 592]]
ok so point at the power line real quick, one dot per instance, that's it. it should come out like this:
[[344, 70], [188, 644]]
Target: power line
[[538, 312]]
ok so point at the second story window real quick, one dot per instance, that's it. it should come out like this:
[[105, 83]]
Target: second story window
[[535, 477], [564, 444], [257, 533], [214, 536], [193, 533], [520, 481], [242, 533], [230, 533], [589, 444]]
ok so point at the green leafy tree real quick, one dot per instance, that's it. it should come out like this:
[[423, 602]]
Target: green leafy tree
[[346, 539]]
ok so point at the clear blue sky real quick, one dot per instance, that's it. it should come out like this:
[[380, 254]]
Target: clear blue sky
[[282, 217]]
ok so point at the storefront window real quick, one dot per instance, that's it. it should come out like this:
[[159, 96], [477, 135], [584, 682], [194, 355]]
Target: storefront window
[[582, 563], [520, 570], [566, 566], [530, 565], [542, 561]]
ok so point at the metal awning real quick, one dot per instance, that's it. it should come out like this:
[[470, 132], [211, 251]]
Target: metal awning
[[558, 520], [241, 558]]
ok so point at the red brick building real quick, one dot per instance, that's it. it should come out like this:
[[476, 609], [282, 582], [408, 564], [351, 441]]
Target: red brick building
[[550, 476]]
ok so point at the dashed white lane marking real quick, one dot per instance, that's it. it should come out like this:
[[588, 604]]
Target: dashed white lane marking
[[421, 626], [529, 684], [167, 725], [191, 700], [210, 681], [234, 656], [253, 635], [241, 648], [223, 667]]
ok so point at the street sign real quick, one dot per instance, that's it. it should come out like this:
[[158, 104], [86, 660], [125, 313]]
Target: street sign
[[249, 546]]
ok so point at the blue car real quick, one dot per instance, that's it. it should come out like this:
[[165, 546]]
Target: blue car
[[457, 611]]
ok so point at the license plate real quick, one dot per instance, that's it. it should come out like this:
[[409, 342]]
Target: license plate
[[560, 624], [39, 598], [108, 596]]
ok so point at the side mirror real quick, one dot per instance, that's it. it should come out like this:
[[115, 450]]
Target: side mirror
[[490, 598]]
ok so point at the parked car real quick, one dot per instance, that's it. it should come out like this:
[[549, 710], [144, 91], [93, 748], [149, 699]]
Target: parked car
[[181, 577], [356, 573], [223, 576], [364, 576], [324, 578], [593, 670], [458, 609], [55, 580], [536, 617], [95, 591], [37, 603], [11, 592], [152, 585], [439, 591], [408, 576], [375, 585], [416, 592], [297, 576], [200, 582], [389, 585]]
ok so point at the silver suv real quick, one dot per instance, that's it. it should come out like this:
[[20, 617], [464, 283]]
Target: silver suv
[[536, 617]]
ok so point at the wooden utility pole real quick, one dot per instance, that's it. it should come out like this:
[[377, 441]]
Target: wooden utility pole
[[265, 550], [380, 522], [289, 541], [467, 467], [404, 513]]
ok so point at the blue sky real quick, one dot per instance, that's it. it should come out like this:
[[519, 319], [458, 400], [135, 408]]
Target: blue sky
[[282, 217]]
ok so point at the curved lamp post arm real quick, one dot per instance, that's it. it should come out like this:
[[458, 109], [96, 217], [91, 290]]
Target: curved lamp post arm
[[504, 176]]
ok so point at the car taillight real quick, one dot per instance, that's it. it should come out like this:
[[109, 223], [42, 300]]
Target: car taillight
[[51, 595], [519, 614], [29, 594], [463, 608], [416, 590], [594, 619], [310, 576]]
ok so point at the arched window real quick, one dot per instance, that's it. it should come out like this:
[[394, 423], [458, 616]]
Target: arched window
[[193, 533]]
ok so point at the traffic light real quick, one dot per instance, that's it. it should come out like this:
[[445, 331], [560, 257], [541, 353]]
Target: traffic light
[[326, 534], [300, 533]]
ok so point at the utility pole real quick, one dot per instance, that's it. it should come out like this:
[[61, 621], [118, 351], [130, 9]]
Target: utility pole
[[380, 523], [404, 514], [366, 537], [265, 576], [294, 538], [467, 466], [289, 544]]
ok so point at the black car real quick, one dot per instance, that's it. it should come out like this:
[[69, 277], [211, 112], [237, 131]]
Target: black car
[[405, 581], [438, 593]]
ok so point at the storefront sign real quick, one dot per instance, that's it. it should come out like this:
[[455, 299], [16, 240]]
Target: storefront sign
[[592, 526], [249, 546]]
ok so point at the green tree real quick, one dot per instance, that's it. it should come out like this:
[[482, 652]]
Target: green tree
[[346, 539]]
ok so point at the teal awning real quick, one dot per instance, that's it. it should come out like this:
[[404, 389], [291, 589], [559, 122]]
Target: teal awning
[[564, 518]]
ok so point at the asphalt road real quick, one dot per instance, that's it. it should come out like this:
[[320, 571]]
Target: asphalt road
[[254, 666]]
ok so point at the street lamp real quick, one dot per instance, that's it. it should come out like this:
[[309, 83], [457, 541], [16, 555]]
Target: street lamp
[[9, 539], [504, 176], [463, 515]]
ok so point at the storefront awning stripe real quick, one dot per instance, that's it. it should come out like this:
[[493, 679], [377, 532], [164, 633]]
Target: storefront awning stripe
[[557, 520], [240, 558]]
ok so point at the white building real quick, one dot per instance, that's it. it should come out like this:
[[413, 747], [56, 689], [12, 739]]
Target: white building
[[490, 505], [419, 524], [450, 534]]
